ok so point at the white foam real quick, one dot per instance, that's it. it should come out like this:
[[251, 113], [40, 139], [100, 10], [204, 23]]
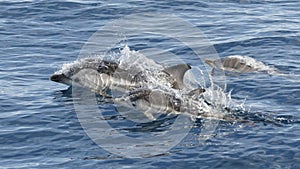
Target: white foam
[[131, 58]]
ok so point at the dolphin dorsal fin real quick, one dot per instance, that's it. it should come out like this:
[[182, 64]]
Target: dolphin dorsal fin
[[177, 72]]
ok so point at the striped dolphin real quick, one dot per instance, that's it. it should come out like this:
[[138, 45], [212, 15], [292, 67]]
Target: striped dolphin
[[99, 75]]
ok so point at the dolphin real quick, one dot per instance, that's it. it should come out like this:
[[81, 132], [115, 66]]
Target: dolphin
[[240, 64], [99, 75]]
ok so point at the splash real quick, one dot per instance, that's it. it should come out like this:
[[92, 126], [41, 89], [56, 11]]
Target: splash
[[213, 102]]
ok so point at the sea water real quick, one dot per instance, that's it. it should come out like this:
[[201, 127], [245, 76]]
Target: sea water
[[38, 121]]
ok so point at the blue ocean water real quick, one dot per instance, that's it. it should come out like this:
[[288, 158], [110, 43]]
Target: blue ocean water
[[38, 124]]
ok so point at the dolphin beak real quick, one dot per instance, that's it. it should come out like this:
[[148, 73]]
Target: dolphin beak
[[60, 78], [56, 78]]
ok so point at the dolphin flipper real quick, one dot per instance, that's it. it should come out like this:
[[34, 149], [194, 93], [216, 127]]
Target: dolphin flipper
[[178, 72]]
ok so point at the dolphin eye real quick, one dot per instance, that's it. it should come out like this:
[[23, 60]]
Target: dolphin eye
[[133, 104], [76, 80]]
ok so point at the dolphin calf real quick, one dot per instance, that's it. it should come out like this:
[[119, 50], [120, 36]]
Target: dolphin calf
[[240, 64]]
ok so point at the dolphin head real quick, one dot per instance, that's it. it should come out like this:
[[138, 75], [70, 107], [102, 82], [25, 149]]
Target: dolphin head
[[65, 75]]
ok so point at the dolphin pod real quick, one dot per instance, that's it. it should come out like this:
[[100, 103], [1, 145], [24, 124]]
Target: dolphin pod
[[102, 76], [161, 91]]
